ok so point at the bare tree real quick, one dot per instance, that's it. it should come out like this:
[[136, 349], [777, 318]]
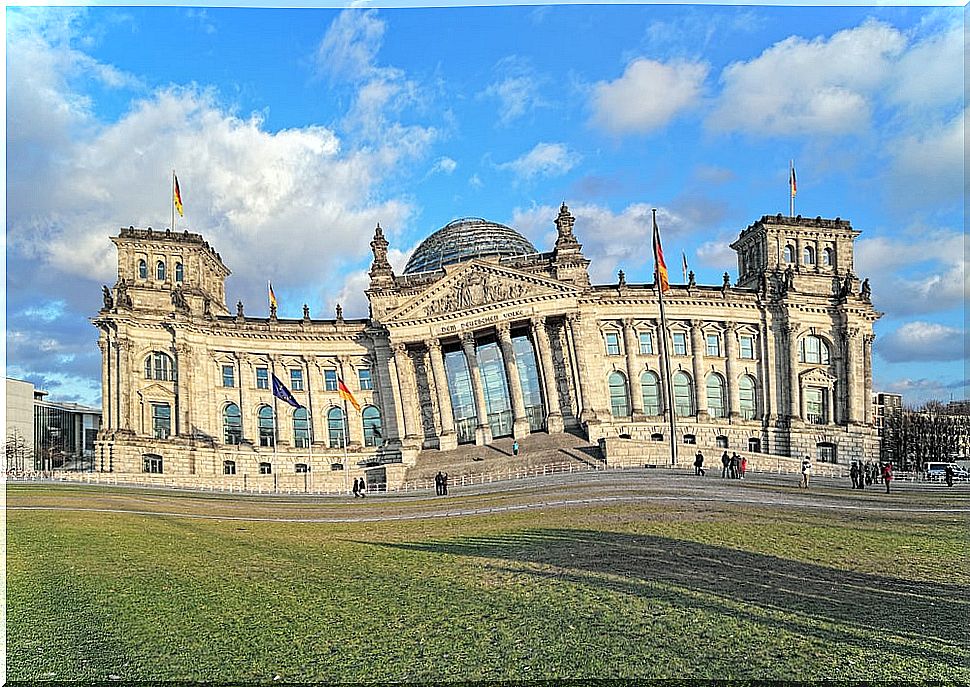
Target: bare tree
[[20, 453]]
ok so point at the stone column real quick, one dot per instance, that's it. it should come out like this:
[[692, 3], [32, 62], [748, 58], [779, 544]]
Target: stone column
[[448, 438], [483, 433], [697, 361], [794, 393], [408, 393], [124, 383], [867, 371], [632, 349], [577, 343], [851, 381], [249, 427], [520, 421], [184, 396], [547, 368], [387, 389], [105, 345], [731, 369]]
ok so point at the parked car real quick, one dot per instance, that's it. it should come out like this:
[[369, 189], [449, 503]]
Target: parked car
[[936, 472]]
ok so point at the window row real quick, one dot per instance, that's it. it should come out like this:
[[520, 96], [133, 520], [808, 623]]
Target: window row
[[330, 378], [229, 468], [337, 427], [161, 270], [808, 255], [684, 403], [679, 340], [754, 443]]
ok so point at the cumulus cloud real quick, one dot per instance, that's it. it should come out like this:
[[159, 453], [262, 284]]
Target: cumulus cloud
[[930, 73], [929, 163], [922, 341], [920, 272], [544, 160], [445, 165], [647, 96], [800, 86], [516, 87], [718, 254]]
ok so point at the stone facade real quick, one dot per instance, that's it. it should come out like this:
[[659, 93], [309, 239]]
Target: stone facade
[[500, 345]]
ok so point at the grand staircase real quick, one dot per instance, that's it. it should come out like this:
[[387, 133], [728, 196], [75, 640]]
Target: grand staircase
[[535, 451]]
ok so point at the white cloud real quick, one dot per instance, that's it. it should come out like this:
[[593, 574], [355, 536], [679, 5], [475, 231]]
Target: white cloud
[[445, 165], [929, 163], [349, 49], [647, 96], [923, 341], [545, 159], [516, 87], [930, 73], [800, 86], [918, 391], [718, 254]]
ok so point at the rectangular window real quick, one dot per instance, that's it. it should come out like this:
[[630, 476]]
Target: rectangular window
[[612, 343], [296, 380], [714, 345], [330, 379], [815, 406], [646, 343], [152, 464], [228, 467], [228, 376], [363, 376], [161, 420], [747, 347], [680, 343], [302, 468], [262, 378]]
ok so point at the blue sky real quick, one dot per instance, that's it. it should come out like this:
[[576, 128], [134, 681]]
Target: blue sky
[[294, 131]]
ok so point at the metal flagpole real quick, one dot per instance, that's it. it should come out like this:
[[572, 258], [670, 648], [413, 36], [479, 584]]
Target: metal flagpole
[[346, 430], [664, 351], [173, 200], [791, 188]]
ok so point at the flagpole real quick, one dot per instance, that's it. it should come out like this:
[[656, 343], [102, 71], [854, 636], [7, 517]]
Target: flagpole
[[173, 200], [665, 355], [346, 431], [791, 189]]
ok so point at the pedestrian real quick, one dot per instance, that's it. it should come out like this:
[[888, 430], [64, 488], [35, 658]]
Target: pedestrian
[[438, 488], [356, 488], [699, 464], [854, 474], [806, 472], [871, 475], [887, 475], [744, 466], [948, 471], [734, 465], [725, 462], [515, 447], [444, 484], [363, 488]]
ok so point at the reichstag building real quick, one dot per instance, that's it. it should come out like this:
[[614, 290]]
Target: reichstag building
[[485, 336]]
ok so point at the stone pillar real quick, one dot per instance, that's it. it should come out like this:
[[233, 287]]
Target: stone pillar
[[577, 342], [851, 381], [632, 348], [448, 438], [483, 433], [731, 369], [794, 393], [105, 345], [547, 369], [318, 425], [867, 371], [697, 361], [520, 421], [183, 388], [408, 393], [124, 383], [249, 428]]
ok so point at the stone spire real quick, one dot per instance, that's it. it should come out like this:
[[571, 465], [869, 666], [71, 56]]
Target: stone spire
[[566, 241], [567, 257], [381, 274]]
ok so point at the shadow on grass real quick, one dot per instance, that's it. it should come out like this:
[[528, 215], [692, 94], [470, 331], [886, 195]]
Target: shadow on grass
[[906, 618]]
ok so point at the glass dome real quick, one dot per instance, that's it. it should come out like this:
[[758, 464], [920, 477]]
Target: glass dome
[[464, 239]]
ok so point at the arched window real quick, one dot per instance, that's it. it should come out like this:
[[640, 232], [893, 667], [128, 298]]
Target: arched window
[[142, 269], [808, 255], [232, 424], [301, 428], [746, 398], [715, 395], [160, 270], [619, 402], [828, 257], [267, 427], [683, 395], [373, 432], [335, 427], [650, 390], [159, 366], [179, 272], [789, 255], [813, 350]]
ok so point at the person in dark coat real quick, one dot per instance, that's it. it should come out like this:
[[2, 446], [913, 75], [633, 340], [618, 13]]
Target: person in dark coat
[[854, 474], [734, 465], [438, 486], [444, 484], [356, 488], [725, 462], [699, 464], [948, 471]]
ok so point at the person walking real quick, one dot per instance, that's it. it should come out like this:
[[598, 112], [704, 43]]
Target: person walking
[[356, 488], [854, 474], [948, 471], [444, 484], [438, 488], [515, 447], [725, 462], [887, 475], [744, 466], [699, 464], [806, 472], [734, 465]]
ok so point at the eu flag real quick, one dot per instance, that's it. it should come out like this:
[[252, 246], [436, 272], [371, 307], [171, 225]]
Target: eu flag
[[282, 393]]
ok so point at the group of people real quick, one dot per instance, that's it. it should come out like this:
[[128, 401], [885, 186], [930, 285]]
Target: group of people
[[733, 466], [866, 473], [360, 488], [441, 484]]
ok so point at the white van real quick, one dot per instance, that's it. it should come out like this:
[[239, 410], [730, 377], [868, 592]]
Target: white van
[[936, 472]]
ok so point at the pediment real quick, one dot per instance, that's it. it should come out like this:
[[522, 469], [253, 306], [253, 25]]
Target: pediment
[[156, 390], [816, 377], [475, 285]]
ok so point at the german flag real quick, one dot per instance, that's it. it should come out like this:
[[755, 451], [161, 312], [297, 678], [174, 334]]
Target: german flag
[[177, 195], [345, 394], [658, 255]]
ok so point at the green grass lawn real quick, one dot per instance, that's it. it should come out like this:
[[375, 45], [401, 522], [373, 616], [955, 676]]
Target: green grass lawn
[[633, 590]]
